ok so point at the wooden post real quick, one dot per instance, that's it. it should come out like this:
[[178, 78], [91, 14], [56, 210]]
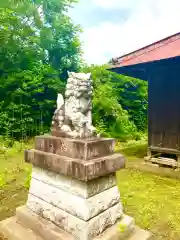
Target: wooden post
[[149, 155]]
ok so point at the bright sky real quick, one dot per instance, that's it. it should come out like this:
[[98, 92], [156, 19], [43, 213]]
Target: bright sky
[[114, 27]]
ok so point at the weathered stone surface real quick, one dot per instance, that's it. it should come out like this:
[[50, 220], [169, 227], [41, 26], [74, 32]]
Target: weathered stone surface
[[122, 230], [140, 234], [11, 230], [73, 115], [48, 231], [40, 226], [78, 149], [28, 225], [82, 170], [72, 185], [88, 208], [82, 230]]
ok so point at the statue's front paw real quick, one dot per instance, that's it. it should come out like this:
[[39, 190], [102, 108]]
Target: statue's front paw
[[98, 135], [74, 134], [92, 129], [65, 128]]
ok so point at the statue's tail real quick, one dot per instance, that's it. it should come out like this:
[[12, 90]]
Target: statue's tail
[[60, 101], [59, 114]]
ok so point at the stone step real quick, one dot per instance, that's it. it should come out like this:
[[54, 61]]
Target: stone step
[[127, 230], [119, 231], [46, 229], [18, 228], [12, 230], [140, 234]]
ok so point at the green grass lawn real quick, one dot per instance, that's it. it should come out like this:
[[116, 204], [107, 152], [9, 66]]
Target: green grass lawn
[[153, 201], [14, 175]]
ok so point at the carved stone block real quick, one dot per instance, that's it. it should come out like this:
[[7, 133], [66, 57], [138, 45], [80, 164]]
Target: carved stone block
[[82, 170], [77, 149], [80, 229], [72, 185], [83, 208]]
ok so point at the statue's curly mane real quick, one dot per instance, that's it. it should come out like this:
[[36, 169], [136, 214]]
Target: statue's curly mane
[[74, 117]]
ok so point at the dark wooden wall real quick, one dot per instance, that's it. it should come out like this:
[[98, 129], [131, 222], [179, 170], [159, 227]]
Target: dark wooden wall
[[164, 107]]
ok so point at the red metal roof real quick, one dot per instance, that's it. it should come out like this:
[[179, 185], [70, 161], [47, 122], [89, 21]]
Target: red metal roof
[[165, 48]]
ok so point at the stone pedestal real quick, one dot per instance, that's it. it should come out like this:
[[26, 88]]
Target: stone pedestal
[[73, 192]]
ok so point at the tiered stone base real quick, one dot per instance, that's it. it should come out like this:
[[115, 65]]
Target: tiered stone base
[[84, 209], [73, 193]]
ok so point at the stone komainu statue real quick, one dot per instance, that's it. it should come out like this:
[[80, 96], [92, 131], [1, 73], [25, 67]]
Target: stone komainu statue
[[73, 116]]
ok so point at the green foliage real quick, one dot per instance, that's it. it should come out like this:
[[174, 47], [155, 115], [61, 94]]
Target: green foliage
[[38, 44], [28, 103], [133, 96], [59, 36], [122, 227], [108, 114], [133, 148], [119, 111]]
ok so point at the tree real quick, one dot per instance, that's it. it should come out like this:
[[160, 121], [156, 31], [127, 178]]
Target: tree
[[133, 97], [34, 53], [108, 114], [19, 43], [120, 103], [59, 36]]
